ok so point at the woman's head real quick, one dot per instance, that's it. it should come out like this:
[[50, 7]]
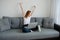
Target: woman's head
[[28, 13]]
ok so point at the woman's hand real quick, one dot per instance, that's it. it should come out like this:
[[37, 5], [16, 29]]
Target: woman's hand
[[34, 6], [20, 4]]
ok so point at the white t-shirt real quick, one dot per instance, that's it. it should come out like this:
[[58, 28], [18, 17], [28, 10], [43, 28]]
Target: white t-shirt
[[27, 20]]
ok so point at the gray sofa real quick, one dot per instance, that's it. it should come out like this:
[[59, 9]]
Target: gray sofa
[[12, 29]]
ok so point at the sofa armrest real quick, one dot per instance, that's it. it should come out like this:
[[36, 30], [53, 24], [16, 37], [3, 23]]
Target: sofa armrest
[[57, 27]]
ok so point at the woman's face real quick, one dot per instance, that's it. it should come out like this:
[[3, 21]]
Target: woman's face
[[29, 14]]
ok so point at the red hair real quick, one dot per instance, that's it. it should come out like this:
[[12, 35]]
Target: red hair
[[27, 13]]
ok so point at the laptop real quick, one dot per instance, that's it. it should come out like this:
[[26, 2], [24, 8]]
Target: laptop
[[32, 25]]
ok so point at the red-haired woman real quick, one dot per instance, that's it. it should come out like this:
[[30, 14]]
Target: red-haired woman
[[27, 18]]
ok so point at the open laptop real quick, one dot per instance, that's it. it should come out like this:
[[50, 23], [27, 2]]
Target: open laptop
[[32, 25]]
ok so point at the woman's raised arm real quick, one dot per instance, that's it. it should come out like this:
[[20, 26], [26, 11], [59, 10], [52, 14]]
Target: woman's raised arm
[[23, 13], [33, 9]]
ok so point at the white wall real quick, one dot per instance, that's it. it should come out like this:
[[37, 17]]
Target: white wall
[[11, 7], [53, 8]]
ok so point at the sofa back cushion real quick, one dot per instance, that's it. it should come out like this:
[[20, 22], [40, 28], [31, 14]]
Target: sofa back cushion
[[17, 22], [39, 20], [33, 19], [4, 24], [13, 21], [48, 22], [21, 22]]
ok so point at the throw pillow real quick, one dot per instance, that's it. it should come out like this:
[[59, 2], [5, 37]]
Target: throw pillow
[[48, 23], [4, 24], [9, 19]]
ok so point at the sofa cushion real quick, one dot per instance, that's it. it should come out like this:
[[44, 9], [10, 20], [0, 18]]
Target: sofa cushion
[[39, 20], [33, 19], [48, 23], [4, 24], [14, 21], [21, 22], [15, 34], [9, 19]]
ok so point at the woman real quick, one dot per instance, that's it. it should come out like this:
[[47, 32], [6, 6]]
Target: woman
[[27, 18]]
